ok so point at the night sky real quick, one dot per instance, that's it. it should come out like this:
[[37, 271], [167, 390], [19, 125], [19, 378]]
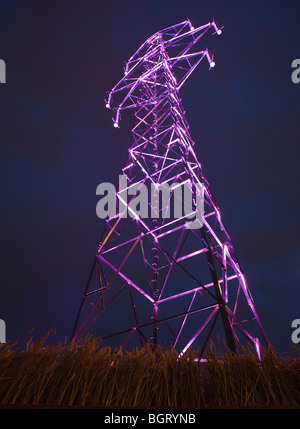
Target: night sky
[[57, 143]]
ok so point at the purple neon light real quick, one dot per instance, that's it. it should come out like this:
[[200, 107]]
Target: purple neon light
[[162, 151]]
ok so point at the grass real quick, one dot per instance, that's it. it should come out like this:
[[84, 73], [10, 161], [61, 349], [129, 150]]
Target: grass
[[86, 375]]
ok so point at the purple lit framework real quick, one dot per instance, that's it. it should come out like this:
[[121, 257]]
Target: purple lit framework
[[153, 279]]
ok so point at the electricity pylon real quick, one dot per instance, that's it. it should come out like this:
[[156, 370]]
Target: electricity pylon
[[169, 277]]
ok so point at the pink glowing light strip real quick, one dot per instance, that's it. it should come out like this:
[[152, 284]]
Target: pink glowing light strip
[[199, 331], [130, 282], [197, 289]]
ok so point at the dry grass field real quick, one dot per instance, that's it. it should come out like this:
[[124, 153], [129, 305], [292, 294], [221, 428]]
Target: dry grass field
[[86, 375]]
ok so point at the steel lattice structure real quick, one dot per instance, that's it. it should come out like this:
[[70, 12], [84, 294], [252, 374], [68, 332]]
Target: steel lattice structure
[[155, 279]]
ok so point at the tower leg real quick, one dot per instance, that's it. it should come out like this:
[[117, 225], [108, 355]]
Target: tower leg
[[222, 306]]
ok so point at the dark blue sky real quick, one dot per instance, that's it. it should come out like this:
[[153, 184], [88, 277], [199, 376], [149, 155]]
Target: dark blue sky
[[57, 144]]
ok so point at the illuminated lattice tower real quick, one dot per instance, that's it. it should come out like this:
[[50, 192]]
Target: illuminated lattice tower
[[167, 274]]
